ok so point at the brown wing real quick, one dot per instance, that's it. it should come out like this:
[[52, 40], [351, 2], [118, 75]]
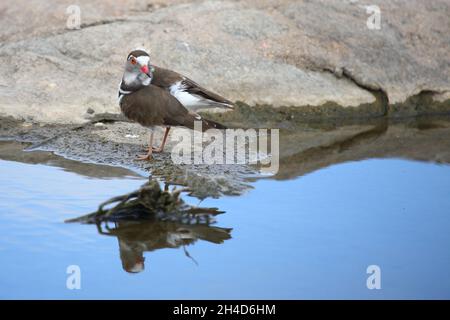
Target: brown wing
[[153, 106], [165, 78]]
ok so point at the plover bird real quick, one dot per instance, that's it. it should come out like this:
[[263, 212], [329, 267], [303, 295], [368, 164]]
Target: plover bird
[[150, 105]]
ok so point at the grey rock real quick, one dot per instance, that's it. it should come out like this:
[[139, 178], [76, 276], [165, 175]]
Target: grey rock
[[408, 55], [279, 53]]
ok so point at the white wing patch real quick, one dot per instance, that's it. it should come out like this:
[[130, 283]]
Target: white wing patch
[[188, 100], [194, 102]]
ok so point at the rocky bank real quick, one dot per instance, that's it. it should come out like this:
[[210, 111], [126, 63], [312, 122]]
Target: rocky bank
[[314, 69], [277, 53]]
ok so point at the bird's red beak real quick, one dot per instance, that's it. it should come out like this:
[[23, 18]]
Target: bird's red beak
[[144, 69]]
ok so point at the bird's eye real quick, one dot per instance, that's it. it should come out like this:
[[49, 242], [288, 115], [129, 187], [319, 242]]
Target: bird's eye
[[133, 60]]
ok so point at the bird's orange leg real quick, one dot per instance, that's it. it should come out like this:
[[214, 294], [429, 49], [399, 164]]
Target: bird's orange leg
[[161, 148], [149, 155]]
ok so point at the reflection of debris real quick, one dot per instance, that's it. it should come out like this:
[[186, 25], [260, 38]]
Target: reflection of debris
[[149, 219], [137, 237], [149, 202]]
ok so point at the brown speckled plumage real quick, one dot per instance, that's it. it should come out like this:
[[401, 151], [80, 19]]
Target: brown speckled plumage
[[152, 106], [165, 78]]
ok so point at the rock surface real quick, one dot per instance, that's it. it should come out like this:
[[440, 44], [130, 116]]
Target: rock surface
[[304, 148], [280, 53]]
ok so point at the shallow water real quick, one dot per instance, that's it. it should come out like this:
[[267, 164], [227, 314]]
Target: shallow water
[[312, 236]]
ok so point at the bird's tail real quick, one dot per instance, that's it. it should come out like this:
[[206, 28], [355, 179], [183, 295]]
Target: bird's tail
[[209, 124]]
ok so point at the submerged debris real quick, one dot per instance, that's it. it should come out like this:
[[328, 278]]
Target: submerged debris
[[149, 202], [150, 219]]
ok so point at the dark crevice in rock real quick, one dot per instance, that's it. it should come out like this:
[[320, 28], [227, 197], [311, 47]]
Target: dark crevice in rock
[[379, 93], [422, 103], [57, 31], [101, 22]]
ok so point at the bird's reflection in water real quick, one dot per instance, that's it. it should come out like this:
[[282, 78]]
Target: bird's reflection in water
[[137, 237], [149, 219]]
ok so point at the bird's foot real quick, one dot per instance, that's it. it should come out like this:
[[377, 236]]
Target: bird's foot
[[154, 149], [157, 150], [142, 157]]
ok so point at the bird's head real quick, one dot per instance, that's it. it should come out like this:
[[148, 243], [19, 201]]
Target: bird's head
[[136, 267], [138, 70]]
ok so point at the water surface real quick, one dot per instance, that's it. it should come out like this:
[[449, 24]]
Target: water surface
[[311, 236]]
